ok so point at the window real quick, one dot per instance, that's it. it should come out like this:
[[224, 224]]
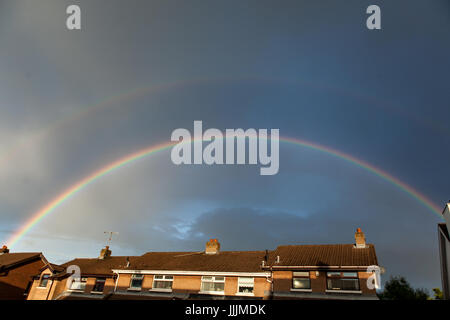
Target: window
[[136, 281], [99, 285], [213, 284], [245, 285], [78, 284], [162, 282], [301, 280], [44, 280], [347, 281]]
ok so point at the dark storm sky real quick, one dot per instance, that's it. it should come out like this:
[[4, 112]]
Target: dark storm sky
[[310, 68]]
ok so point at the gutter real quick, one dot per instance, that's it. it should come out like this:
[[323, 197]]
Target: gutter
[[321, 267]]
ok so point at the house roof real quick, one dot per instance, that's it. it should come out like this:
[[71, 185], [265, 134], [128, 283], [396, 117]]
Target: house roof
[[324, 255], [225, 261], [9, 260], [53, 267], [233, 261], [95, 266]]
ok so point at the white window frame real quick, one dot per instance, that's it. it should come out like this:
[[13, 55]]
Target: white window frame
[[213, 280], [141, 276], [344, 275], [40, 286], [301, 275], [245, 283], [82, 280], [100, 279], [163, 278]]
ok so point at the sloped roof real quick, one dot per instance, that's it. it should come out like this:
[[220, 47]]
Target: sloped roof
[[225, 261], [99, 266], [324, 255], [233, 261], [9, 260]]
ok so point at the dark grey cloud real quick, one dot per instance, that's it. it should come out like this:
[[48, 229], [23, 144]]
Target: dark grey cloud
[[310, 69]]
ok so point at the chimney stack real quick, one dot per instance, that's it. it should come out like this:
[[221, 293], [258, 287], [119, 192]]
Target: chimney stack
[[105, 253], [212, 246], [360, 239], [4, 250]]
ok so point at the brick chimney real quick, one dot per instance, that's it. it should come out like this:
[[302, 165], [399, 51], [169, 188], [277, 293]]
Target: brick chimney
[[360, 239], [105, 253], [4, 250], [212, 246]]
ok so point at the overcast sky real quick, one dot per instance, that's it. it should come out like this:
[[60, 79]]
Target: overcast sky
[[72, 102]]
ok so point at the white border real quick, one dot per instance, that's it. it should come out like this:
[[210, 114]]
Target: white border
[[194, 273]]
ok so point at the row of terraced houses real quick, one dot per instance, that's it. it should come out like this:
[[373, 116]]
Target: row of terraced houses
[[337, 271]]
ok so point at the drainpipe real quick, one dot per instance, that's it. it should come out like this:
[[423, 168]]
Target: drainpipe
[[117, 280], [271, 283]]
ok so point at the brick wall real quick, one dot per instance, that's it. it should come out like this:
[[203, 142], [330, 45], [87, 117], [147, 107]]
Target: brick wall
[[283, 282]]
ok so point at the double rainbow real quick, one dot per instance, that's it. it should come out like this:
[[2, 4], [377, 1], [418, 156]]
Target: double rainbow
[[56, 202]]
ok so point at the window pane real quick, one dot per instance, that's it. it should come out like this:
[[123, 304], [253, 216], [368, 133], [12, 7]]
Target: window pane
[[207, 278], [301, 274], [158, 284], [213, 286], [220, 278], [343, 284], [246, 289], [158, 277], [245, 284], [333, 284], [44, 280], [330, 274], [245, 280], [350, 284], [136, 283], [350, 274], [168, 277], [219, 286], [301, 283], [207, 286], [99, 285]]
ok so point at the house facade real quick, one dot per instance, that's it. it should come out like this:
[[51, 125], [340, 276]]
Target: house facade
[[16, 272], [288, 272]]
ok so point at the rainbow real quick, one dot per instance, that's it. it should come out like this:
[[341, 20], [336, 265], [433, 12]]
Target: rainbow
[[56, 202]]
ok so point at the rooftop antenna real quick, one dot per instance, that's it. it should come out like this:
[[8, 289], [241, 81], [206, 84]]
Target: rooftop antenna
[[110, 233]]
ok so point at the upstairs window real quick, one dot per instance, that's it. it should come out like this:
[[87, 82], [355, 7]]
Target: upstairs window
[[99, 285], [246, 285], [162, 282], [78, 284], [213, 284], [346, 281], [44, 280], [301, 280], [136, 281]]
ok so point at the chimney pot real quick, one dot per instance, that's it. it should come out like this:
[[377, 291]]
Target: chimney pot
[[212, 246], [4, 249], [105, 253], [360, 239]]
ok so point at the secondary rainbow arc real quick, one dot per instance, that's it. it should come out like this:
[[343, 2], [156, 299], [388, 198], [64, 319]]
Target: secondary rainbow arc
[[56, 202]]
